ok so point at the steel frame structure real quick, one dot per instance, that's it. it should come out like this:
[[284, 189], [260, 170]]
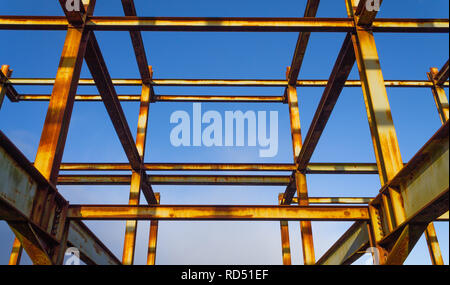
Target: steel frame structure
[[413, 195]]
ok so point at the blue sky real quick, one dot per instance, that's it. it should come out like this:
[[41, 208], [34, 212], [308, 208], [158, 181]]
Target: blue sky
[[226, 56]]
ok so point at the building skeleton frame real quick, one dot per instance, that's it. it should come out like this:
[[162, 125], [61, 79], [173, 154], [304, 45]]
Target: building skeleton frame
[[413, 195]]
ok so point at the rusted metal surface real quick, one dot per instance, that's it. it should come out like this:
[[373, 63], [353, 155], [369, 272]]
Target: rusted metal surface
[[18, 196], [302, 43], [138, 44], [313, 168], [167, 98], [349, 247], [92, 250], [433, 245], [99, 71], [423, 185], [440, 98], [175, 180], [153, 237], [297, 182], [442, 76], [339, 76], [224, 24], [217, 213], [285, 241], [6, 89], [223, 82], [413, 195], [16, 253], [336, 200], [138, 177], [51, 146]]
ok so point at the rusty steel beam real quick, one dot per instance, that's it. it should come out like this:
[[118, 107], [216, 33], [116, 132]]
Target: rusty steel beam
[[138, 44], [234, 24], [49, 209], [16, 253], [53, 138], [431, 161], [285, 242], [138, 178], [363, 16], [313, 168], [311, 10], [175, 180], [384, 136], [153, 237], [223, 82], [6, 88], [339, 76], [99, 71], [336, 200], [56, 124], [433, 245], [439, 95], [442, 76], [437, 77], [4, 74], [167, 98], [92, 250], [349, 247], [21, 188], [382, 128], [298, 180], [217, 213], [424, 188]]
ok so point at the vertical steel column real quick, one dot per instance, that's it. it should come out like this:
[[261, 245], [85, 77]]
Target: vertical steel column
[[136, 178], [442, 105], [300, 178], [153, 237], [56, 126], [384, 136], [285, 243], [439, 96]]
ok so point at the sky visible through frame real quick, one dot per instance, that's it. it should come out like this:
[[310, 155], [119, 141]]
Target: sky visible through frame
[[226, 56]]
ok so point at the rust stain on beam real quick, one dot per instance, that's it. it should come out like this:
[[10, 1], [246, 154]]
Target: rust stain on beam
[[208, 213], [339, 76], [175, 180], [224, 82]]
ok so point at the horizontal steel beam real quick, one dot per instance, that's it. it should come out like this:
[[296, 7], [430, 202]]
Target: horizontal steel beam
[[167, 98], [224, 24], [175, 180], [313, 168], [222, 213], [336, 200], [223, 82]]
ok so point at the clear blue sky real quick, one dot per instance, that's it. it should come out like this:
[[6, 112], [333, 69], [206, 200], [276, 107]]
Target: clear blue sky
[[229, 56]]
